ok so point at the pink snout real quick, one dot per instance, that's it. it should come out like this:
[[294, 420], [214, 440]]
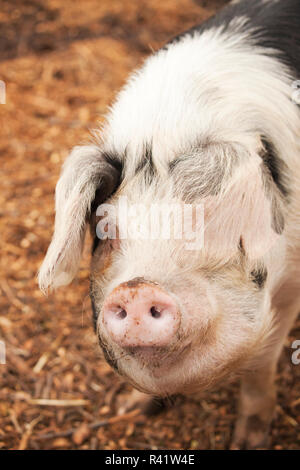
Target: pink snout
[[140, 314]]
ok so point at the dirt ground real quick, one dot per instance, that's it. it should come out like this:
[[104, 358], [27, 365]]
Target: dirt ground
[[62, 62]]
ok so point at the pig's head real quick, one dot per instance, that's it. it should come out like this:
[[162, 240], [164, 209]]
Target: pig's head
[[170, 315]]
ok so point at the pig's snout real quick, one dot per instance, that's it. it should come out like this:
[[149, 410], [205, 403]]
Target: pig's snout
[[140, 315]]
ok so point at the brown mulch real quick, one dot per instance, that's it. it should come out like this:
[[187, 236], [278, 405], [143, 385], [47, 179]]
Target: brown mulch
[[62, 63]]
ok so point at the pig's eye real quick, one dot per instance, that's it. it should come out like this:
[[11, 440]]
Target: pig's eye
[[155, 313]]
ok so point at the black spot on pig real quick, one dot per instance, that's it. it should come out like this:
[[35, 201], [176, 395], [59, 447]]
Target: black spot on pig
[[113, 160], [242, 247], [259, 276], [146, 165], [274, 174], [275, 26], [110, 178], [278, 221], [276, 166], [94, 309], [95, 244], [155, 406], [109, 181]]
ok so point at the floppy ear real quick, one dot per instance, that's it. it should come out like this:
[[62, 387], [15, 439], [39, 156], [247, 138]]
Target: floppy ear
[[248, 212], [85, 171]]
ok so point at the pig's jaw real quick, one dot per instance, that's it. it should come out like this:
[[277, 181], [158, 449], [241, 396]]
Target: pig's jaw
[[141, 361], [191, 369], [169, 378]]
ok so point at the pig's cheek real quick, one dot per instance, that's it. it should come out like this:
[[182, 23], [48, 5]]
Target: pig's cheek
[[197, 312], [102, 259]]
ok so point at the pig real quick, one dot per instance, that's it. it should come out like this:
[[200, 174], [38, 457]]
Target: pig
[[209, 120]]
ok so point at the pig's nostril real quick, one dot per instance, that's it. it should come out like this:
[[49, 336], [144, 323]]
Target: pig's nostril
[[122, 314], [155, 313]]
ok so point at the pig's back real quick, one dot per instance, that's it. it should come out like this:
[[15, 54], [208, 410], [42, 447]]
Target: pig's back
[[275, 25]]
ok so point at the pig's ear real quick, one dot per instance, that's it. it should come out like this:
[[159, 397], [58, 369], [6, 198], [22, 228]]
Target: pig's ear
[[249, 212], [86, 171]]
